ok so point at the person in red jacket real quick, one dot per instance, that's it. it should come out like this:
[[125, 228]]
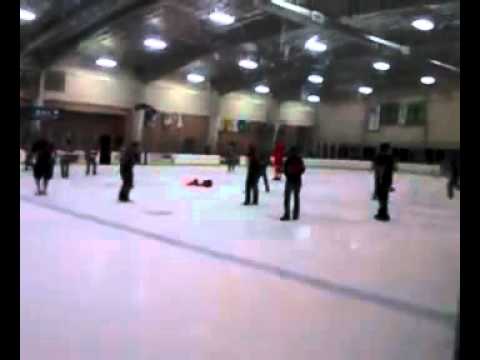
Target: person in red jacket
[[278, 155]]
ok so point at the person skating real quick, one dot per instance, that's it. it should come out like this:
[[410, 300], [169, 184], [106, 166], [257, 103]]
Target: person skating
[[128, 159], [264, 163], [454, 174], [278, 155], [231, 158], [253, 173], [65, 159], [91, 161], [294, 169], [44, 163], [384, 166]]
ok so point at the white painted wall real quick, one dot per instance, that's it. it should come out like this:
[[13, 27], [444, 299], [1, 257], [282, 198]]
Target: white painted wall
[[97, 88], [341, 122], [177, 97], [345, 122], [244, 106], [297, 113]]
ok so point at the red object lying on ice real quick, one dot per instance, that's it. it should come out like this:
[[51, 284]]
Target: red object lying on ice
[[204, 183]]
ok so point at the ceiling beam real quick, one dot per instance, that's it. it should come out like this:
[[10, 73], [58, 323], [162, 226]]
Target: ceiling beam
[[87, 23]]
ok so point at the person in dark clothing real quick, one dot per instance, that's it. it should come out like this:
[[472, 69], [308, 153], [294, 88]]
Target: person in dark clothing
[[253, 173], [28, 160], [44, 163], [91, 160], [264, 163], [231, 158], [384, 167], [65, 160], [294, 168], [128, 159], [454, 174]]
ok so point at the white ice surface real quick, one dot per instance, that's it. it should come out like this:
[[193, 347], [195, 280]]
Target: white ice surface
[[188, 273]]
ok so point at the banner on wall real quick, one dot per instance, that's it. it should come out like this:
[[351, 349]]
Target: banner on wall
[[227, 125], [242, 126]]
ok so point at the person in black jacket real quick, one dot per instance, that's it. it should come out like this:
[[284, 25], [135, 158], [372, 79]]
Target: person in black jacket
[[44, 163], [253, 173], [128, 159], [453, 161], [91, 160], [264, 163], [293, 169], [384, 166]]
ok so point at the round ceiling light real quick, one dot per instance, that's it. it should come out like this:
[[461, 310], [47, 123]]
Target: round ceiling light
[[423, 24], [248, 64], [428, 80], [106, 62], [315, 79], [313, 98], [381, 66], [155, 44], [262, 89], [315, 45], [195, 78], [26, 15], [221, 18], [365, 90]]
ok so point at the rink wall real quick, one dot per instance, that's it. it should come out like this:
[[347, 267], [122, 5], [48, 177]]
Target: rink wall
[[156, 159]]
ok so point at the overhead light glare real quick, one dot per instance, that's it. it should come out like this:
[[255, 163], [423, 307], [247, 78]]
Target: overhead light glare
[[315, 45], [26, 15], [428, 80], [402, 48], [155, 44], [248, 64], [106, 62], [423, 24], [221, 18], [446, 66], [365, 90], [262, 89], [313, 98], [195, 78], [381, 66], [315, 79]]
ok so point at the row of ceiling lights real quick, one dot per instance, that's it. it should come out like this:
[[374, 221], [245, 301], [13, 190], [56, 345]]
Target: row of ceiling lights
[[313, 44]]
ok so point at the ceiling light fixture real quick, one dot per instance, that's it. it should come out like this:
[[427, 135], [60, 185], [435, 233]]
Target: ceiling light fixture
[[313, 98], [262, 89], [26, 15], [155, 44], [221, 18], [315, 79], [315, 45], [248, 64], [423, 24], [106, 62], [381, 66], [195, 78], [428, 80], [365, 90]]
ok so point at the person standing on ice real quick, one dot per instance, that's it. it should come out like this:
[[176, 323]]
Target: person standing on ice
[[253, 173], [231, 157], [128, 159], [278, 155], [44, 164], [453, 163], [264, 163], [384, 167], [294, 169], [91, 160]]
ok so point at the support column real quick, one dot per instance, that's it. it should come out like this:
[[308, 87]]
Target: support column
[[35, 126], [214, 120]]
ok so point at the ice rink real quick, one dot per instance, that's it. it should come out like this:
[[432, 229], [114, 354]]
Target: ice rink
[[190, 273]]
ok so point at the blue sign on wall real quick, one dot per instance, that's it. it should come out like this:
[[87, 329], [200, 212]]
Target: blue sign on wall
[[40, 113]]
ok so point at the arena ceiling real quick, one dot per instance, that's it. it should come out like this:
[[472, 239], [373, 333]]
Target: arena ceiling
[[272, 33]]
